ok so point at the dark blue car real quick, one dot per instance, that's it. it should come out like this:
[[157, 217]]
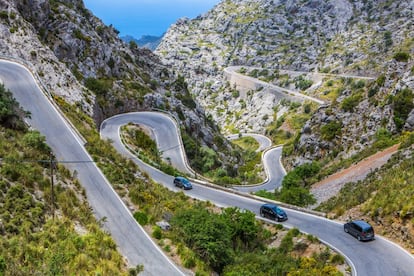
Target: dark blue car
[[183, 183], [272, 211]]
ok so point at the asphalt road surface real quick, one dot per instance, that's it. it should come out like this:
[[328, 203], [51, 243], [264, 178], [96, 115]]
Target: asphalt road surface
[[378, 257], [132, 240]]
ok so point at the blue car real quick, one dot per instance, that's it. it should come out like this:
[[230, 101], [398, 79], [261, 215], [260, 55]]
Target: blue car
[[272, 211], [183, 183]]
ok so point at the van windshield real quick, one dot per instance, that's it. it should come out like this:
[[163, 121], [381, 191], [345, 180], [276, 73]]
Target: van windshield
[[369, 230]]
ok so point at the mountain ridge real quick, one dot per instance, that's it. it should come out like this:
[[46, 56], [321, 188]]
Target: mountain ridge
[[330, 36], [145, 41]]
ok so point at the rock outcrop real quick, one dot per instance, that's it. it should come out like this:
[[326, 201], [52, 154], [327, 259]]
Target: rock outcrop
[[77, 57], [353, 38]]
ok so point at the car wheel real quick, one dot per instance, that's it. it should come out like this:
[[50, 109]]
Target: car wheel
[[359, 238], [346, 230], [262, 214]]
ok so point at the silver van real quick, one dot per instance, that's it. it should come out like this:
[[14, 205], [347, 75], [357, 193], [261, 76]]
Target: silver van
[[360, 229]]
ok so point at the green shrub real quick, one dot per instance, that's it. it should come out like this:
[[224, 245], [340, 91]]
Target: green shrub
[[142, 218], [242, 70], [157, 232], [349, 103], [337, 259], [302, 83], [330, 130], [407, 140], [403, 104], [11, 114], [402, 57], [381, 80], [99, 86]]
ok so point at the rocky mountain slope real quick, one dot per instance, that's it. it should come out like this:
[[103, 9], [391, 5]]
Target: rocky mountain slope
[[78, 58], [358, 38]]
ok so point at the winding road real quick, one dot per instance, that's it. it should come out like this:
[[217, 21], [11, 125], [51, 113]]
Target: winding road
[[379, 257], [271, 159], [132, 240]]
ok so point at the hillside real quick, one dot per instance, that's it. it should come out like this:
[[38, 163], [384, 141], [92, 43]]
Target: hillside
[[91, 74], [356, 56], [81, 60], [46, 223], [351, 38]]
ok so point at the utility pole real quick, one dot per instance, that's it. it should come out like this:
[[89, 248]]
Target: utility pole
[[52, 185]]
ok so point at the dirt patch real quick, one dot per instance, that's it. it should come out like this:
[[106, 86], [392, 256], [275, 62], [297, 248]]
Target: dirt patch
[[331, 185]]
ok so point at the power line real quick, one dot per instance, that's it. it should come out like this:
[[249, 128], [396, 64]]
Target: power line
[[9, 160]]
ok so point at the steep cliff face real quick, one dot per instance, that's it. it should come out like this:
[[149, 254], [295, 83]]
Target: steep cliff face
[[76, 56], [352, 38], [20, 41]]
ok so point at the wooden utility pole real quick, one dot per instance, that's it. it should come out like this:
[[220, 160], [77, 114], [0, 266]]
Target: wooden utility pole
[[52, 185]]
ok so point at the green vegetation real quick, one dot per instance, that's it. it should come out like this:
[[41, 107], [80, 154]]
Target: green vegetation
[[234, 243], [206, 162], [11, 114], [247, 143], [331, 89], [385, 195], [214, 244], [349, 103], [293, 121], [382, 140], [403, 104], [77, 33], [250, 171], [202, 159], [387, 40], [106, 96], [402, 57], [184, 96], [330, 130], [145, 147], [295, 185], [302, 83], [34, 242]]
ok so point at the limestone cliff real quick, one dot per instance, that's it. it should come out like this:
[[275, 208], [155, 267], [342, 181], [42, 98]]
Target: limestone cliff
[[351, 38]]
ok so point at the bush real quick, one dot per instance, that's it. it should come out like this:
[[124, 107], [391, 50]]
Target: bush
[[331, 130], [381, 80], [302, 83], [11, 114], [157, 232], [337, 259], [142, 218], [98, 86], [297, 196], [403, 104], [402, 57], [349, 104]]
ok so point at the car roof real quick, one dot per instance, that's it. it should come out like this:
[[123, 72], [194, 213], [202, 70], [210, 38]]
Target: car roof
[[362, 223], [270, 205], [181, 178]]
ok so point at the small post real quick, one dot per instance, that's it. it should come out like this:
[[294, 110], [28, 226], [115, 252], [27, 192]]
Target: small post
[[52, 185]]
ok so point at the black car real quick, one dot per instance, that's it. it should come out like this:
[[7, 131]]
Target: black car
[[183, 183], [272, 211], [360, 229]]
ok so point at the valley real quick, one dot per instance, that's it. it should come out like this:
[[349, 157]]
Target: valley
[[326, 85]]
